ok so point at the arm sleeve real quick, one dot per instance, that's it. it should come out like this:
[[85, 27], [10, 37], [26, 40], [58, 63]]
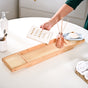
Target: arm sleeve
[[73, 3]]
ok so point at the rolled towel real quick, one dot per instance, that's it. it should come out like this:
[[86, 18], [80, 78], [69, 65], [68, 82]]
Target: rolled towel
[[81, 67]]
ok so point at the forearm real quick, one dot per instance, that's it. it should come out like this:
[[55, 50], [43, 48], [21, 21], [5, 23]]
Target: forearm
[[62, 12]]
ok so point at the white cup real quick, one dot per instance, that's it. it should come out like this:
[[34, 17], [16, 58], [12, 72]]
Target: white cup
[[3, 45]]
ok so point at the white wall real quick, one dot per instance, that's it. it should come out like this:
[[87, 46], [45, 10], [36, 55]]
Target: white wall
[[31, 8], [11, 6]]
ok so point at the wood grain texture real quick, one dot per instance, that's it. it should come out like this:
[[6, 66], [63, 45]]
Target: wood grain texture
[[36, 54], [81, 76]]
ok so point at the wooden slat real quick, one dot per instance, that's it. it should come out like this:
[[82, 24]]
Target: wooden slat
[[14, 60], [36, 54]]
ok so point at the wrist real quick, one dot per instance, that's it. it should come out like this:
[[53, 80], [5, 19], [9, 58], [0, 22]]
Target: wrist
[[54, 20]]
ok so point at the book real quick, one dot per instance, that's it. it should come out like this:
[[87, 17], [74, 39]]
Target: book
[[39, 34]]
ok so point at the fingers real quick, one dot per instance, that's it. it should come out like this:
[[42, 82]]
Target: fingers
[[42, 26], [46, 26]]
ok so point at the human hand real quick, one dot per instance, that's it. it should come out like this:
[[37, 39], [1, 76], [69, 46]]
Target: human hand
[[48, 25]]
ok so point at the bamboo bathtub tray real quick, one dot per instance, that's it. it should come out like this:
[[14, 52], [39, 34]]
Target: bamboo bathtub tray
[[36, 54]]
